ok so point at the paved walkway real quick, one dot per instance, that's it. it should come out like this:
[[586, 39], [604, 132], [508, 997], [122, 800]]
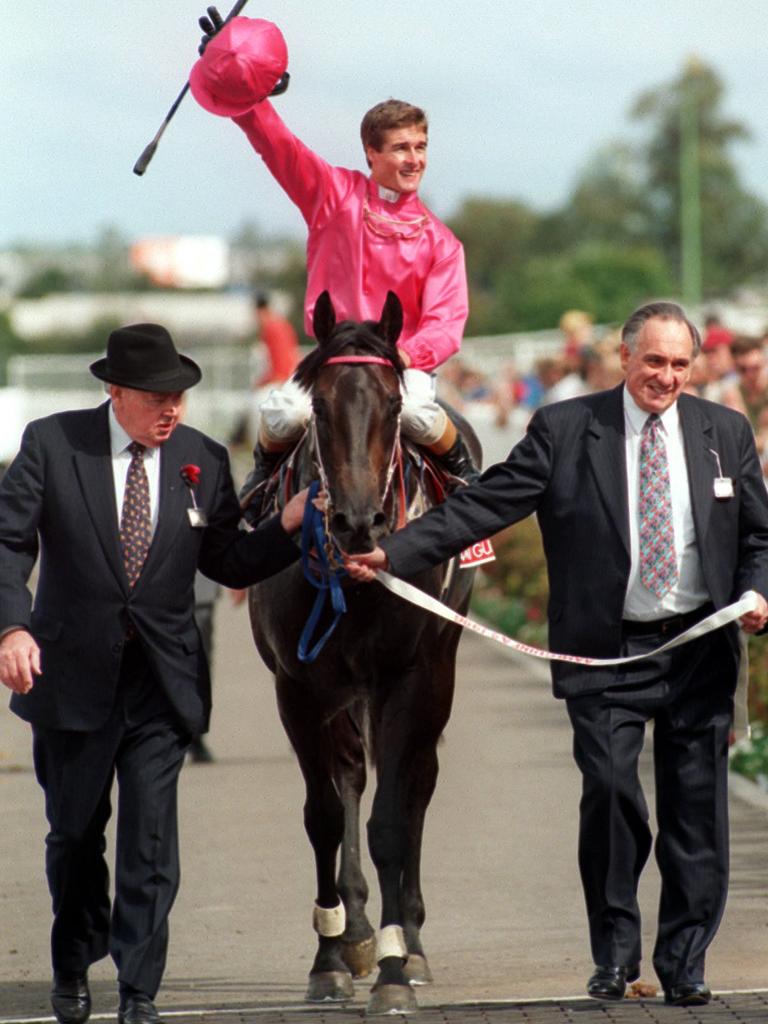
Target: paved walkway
[[505, 932]]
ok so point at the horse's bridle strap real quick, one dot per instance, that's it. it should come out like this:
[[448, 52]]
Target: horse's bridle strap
[[379, 360]]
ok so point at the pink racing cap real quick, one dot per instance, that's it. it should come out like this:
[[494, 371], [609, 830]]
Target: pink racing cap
[[239, 67]]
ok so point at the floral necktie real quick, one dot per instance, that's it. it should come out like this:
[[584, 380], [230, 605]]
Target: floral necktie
[[658, 561]]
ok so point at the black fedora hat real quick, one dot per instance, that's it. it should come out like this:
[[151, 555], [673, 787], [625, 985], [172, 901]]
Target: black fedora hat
[[143, 356]]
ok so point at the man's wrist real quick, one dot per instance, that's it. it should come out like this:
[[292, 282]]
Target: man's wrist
[[11, 629]]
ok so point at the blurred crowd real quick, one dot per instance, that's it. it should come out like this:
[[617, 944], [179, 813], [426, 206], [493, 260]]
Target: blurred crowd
[[732, 370]]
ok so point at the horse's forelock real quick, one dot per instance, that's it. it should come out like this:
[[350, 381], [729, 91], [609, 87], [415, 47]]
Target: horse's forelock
[[348, 338]]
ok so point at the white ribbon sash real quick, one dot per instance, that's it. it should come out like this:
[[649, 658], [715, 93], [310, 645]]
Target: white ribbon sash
[[732, 612]]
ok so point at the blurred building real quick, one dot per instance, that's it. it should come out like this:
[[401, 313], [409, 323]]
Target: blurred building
[[183, 261]]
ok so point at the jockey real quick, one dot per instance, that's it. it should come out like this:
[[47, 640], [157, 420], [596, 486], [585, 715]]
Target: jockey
[[367, 235]]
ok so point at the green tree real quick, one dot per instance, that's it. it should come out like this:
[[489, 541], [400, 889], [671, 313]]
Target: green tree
[[496, 234], [292, 279], [47, 281], [91, 339], [609, 203], [606, 279], [734, 222], [10, 344]]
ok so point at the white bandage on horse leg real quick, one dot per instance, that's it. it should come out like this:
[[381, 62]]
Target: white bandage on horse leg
[[329, 923], [390, 941]]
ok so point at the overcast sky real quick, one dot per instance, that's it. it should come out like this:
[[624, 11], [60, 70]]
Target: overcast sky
[[520, 95]]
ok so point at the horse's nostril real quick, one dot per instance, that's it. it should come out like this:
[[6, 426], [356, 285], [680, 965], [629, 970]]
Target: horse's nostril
[[379, 519], [339, 522]]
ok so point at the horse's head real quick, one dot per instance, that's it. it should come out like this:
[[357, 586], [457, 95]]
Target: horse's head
[[354, 378]]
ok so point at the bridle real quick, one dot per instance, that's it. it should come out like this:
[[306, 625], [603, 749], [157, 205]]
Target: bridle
[[326, 572], [395, 454]]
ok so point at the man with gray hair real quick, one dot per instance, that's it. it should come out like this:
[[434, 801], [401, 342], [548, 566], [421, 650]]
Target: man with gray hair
[[653, 514]]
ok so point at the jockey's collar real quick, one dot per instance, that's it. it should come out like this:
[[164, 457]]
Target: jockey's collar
[[389, 195]]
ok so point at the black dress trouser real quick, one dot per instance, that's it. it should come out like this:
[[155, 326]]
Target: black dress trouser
[[688, 695], [144, 748]]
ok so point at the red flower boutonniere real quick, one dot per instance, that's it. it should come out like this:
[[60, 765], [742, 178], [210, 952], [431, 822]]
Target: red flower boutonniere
[[190, 474]]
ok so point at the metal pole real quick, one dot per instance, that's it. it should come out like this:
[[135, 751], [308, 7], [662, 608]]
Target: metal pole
[[690, 189]]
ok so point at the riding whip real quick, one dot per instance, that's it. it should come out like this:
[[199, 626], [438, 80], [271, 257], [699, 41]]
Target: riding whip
[[143, 162]]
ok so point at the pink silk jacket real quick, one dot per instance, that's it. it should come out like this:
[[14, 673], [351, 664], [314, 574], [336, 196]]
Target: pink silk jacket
[[361, 245]]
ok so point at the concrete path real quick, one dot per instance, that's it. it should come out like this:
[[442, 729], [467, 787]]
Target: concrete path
[[505, 918]]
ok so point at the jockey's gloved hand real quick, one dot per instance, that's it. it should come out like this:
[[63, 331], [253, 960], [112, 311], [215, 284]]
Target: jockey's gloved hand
[[282, 84], [210, 25]]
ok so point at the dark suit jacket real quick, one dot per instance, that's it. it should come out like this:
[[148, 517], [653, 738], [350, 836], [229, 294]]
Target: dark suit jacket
[[570, 469], [58, 497]]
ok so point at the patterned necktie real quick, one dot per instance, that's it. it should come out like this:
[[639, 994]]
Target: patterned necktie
[[135, 522], [658, 562]]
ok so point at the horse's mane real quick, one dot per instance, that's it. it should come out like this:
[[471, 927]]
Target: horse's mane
[[348, 338]]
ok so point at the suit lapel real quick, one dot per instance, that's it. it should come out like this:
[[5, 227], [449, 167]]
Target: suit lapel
[[607, 453], [93, 469], [698, 440]]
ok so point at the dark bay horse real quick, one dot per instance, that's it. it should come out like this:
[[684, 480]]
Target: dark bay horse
[[383, 683]]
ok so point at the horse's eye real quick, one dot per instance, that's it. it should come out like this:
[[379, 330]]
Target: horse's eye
[[395, 404], [319, 408]]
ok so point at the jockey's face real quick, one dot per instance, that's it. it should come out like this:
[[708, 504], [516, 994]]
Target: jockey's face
[[402, 159]]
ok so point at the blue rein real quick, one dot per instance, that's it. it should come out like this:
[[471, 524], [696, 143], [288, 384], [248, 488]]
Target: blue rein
[[323, 577]]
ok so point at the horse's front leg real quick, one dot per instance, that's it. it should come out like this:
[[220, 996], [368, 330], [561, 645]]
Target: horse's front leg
[[329, 977], [358, 945]]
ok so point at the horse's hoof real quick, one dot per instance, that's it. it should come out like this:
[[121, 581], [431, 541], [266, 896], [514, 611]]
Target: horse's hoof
[[391, 999], [330, 987], [417, 970], [360, 957]]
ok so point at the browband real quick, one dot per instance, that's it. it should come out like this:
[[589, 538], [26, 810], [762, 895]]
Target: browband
[[359, 359]]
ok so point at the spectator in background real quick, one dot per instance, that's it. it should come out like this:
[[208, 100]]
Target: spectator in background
[[280, 340], [719, 373], [714, 331], [549, 372], [750, 392], [577, 327]]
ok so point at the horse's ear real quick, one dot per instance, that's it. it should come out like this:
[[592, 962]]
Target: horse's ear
[[391, 323], [323, 318]]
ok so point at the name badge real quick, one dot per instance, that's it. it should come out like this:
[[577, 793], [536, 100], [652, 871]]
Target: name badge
[[723, 488], [197, 518]]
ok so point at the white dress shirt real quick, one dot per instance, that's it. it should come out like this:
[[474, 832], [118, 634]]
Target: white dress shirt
[[121, 460], [690, 591]]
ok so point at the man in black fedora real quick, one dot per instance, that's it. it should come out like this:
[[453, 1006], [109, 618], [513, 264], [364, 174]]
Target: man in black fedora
[[122, 504]]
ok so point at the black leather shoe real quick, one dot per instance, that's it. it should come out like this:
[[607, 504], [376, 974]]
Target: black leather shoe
[[70, 998], [138, 1009], [611, 982], [691, 994]]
